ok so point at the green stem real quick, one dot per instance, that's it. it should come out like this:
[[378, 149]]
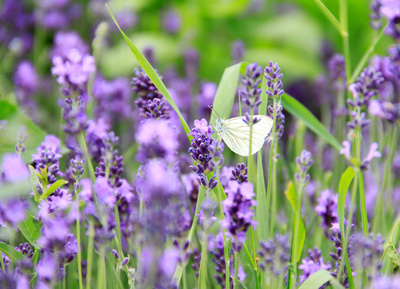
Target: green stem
[[185, 286], [82, 144], [118, 238], [179, 269], [78, 238], [236, 270], [270, 168], [273, 195], [90, 255], [3, 268], [345, 38], [331, 17], [367, 54], [202, 282], [348, 228], [296, 234]]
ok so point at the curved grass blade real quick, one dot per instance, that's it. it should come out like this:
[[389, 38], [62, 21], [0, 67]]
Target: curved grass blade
[[30, 229], [144, 63], [318, 279], [53, 187], [291, 195], [344, 184], [299, 111], [226, 91]]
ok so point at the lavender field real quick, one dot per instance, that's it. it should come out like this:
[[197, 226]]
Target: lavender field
[[199, 144]]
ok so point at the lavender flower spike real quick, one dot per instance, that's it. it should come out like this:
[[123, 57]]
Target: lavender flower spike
[[238, 212]]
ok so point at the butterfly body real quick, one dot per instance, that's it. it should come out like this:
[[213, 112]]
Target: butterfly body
[[236, 133]]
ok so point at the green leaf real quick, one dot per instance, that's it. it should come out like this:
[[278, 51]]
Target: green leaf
[[225, 95], [299, 111], [152, 74], [8, 137], [11, 253], [53, 187], [344, 184], [30, 229], [291, 195], [318, 279], [35, 257]]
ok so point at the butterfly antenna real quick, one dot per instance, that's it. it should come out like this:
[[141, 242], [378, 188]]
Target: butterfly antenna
[[214, 111]]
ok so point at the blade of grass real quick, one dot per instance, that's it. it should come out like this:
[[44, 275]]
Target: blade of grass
[[331, 17], [318, 279], [225, 95], [152, 74], [291, 195], [299, 111], [344, 184]]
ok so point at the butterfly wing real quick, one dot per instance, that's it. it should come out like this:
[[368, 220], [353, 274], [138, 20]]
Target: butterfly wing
[[236, 134]]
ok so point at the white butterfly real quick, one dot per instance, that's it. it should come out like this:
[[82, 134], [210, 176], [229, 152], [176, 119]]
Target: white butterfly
[[236, 133]]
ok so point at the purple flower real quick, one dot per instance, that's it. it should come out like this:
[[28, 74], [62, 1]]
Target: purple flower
[[237, 51], [171, 21], [367, 253], [145, 89], [366, 86], [14, 168], [26, 81], [16, 24], [372, 153], [346, 149], [75, 70], [250, 95], [337, 240], [96, 131], [275, 255], [219, 259], [327, 209], [239, 173], [203, 149], [238, 212], [26, 78], [56, 14], [105, 192], [274, 83], [13, 212], [386, 282], [113, 98], [48, 156], [46, 268], [384, 110], [390, 9], [337, 71], [64, 41], [192, 188], [157, 139], [312, 264], [375, 15], [191, 63], [206, 97], [303, 163]]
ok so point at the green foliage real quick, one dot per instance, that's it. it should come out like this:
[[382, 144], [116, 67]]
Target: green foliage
[[152, 74], [11, 253], [318, 279], [30, 229], [299, 111]]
